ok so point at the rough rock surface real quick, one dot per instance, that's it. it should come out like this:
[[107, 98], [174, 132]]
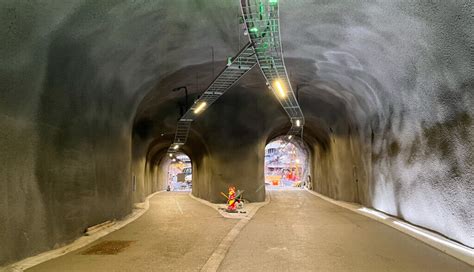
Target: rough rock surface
[[386, 87]]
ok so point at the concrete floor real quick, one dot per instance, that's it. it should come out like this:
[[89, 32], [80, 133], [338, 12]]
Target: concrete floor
[[298, 231], [295, 232], [177, 233]]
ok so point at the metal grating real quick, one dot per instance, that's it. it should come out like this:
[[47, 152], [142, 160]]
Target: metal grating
[[263, 24], [243, 62]]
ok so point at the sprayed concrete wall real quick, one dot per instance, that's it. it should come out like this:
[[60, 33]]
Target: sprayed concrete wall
[[401, 68], [386, 87]]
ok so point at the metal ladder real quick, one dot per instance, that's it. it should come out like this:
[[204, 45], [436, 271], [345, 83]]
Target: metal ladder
[[243, 62]]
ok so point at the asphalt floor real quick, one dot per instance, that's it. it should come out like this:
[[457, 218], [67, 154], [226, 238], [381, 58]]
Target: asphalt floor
[[296, 231]]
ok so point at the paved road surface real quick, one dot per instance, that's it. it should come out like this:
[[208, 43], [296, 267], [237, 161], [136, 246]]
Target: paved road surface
[[177, 233], [295, 232], [298, 231]]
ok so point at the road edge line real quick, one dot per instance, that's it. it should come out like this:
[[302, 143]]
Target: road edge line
[[443, 244]]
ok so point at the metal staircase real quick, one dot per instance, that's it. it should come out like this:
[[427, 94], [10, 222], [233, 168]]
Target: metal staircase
[[261, 18]]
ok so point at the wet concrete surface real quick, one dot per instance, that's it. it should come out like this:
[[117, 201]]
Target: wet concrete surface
[[296, 231]]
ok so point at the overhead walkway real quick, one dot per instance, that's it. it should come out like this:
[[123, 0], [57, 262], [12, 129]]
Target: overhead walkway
[[296, 231], [239, 65], [262, 21]]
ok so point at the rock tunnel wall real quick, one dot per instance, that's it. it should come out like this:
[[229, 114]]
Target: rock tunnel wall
[[386, 87]]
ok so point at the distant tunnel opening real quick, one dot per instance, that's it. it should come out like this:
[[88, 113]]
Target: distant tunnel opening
[[180, 173], [286, 164]]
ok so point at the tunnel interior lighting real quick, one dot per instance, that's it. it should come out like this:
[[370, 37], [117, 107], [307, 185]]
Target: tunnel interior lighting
[[171, 155], [200, 107], [289, 137], [298, 123], [374, 213], [175, 147], [433, 237], [279, 88]]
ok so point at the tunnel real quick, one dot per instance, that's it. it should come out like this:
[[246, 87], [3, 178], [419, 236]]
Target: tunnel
[[91, 93], [287, 163]]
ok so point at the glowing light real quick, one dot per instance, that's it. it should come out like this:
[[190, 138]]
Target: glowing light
[[434, 238], [174, 160], [297, 161], [200, 107], [289, 137], [171, 155], [175, 147], [374, 213], [280, 89], [298, 123], [253, 29]]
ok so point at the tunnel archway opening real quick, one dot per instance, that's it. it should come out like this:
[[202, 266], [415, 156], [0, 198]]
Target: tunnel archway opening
[[180, 173], [286, 164]]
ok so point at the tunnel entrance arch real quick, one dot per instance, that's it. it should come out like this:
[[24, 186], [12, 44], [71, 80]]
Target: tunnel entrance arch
[[286, 164], [179, 176]]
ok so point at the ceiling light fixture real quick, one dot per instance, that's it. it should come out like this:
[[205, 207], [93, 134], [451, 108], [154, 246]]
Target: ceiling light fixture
[[280, 89], [200, 108]]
